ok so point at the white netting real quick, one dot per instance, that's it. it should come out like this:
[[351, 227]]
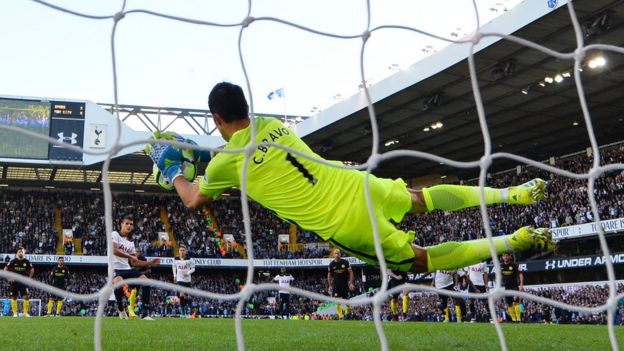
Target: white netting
[[375, 158], [35, 305]]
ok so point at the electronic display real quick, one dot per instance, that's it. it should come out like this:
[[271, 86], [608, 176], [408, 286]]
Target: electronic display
[[30, 115], [61, 109], [61, 120]]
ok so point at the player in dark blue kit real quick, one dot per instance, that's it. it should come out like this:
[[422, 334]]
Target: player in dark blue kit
[[60, 274], [340, 279], [20, 265]]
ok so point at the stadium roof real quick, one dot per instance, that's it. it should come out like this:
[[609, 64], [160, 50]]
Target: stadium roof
[[524, 117]]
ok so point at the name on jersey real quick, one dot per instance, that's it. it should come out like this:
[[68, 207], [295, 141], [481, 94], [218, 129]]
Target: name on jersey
[[274, 135]]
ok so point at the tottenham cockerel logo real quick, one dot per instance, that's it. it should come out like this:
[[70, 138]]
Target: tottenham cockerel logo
[[97, 132], [73, 139]]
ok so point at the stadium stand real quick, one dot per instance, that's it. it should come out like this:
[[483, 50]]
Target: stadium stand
[[28, 217]]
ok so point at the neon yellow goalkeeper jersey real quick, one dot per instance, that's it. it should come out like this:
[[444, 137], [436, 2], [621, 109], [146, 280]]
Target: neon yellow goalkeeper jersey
[[303, 192], [322, 199]]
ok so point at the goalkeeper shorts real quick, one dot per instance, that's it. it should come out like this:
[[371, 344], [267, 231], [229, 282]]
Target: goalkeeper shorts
[[391, 200]]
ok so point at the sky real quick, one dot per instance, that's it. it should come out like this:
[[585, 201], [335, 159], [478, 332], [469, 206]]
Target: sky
[[166, 63]]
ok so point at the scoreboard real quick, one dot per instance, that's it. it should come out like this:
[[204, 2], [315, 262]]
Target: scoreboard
[[62, 109], [60, 120]]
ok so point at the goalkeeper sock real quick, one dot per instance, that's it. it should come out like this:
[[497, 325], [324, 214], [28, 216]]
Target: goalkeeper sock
[[393, 307], [339, 308], [50, 306], [14, 306], [26, 306], [446, 314], [455, 197], [348, 309], [453, 255], [405, 303], [458, 314], [59, 307]]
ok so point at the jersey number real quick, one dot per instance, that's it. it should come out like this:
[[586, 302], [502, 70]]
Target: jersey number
[[301, 168]]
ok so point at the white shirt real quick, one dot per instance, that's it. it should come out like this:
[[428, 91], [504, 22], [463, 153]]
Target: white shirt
[[476, 272], [182, 269], [444, 279], [284, 282], [124, 245]]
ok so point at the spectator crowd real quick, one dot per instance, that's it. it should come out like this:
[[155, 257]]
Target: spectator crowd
[[27, 218]]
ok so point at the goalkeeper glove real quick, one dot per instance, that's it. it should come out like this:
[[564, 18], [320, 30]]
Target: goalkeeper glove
[[189, 153], [194, 154], [173, 171], [163, 155]]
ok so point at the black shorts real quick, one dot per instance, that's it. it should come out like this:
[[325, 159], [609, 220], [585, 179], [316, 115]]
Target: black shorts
[[394, 283], [17, 289], [444, 298], [476, 289], [509, 300], [59, 285], [283, 297], [127, 273], [184, 284], [341, 292]]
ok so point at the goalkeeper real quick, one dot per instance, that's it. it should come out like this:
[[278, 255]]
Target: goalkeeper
[[331, 201]]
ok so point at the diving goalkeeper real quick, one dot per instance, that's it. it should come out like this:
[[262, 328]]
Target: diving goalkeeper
[[331, 201]]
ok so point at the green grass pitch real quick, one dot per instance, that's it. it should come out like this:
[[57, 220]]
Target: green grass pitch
[[75, 333]]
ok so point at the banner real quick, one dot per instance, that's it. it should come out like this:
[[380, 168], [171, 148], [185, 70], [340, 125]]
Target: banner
[[587, 229], [199, 262], [568, 263]]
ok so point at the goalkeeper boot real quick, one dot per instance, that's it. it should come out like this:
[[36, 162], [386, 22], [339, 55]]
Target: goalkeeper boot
[[534, 239], [527, 193]]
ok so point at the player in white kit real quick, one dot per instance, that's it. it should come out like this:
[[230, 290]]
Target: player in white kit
[[447, 280], [124, 259], [477, 280], [284, 280], [183, 266]]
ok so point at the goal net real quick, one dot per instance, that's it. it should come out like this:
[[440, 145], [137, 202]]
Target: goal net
[[34, 308], [245, 24]]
